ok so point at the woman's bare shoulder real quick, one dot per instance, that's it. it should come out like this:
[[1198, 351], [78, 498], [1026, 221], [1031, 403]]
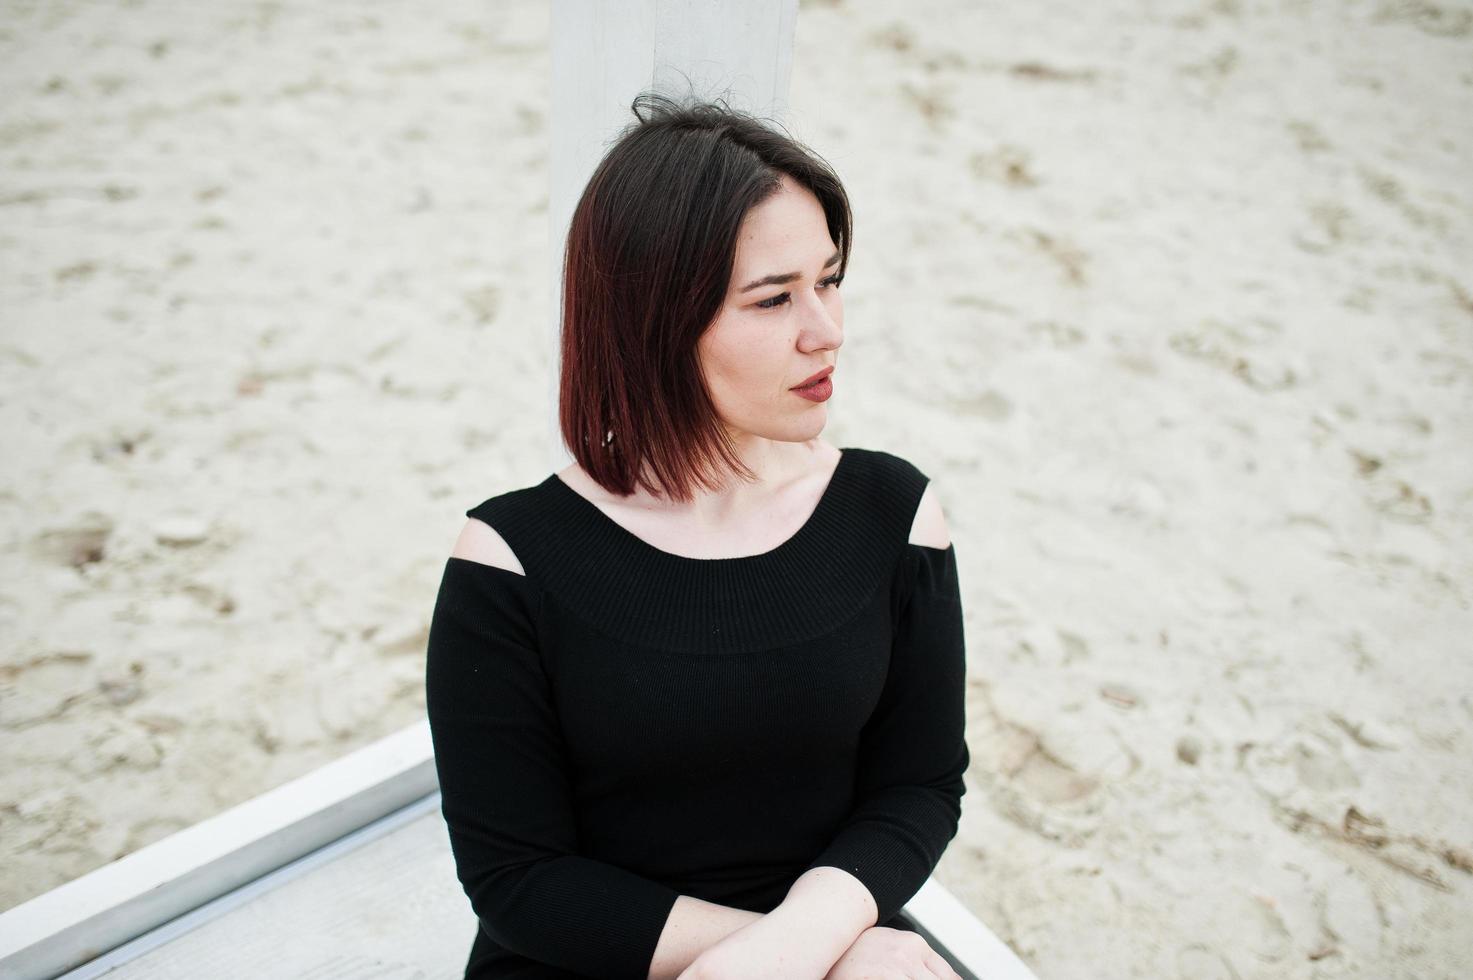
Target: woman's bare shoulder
[[479, 542], [929, 527]]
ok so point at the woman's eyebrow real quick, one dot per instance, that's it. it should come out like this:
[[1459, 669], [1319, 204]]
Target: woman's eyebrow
[[777, 280]]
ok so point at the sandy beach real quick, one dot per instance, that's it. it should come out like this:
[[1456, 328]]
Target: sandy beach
[[1174, 303]]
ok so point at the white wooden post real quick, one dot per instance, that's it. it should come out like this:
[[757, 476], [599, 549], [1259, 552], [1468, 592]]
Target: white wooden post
[[604, 54]]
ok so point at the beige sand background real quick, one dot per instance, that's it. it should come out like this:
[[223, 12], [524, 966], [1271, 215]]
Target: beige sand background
[[1174, 301]]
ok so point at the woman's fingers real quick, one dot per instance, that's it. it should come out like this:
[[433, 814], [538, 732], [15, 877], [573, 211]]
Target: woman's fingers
[[941, 969]]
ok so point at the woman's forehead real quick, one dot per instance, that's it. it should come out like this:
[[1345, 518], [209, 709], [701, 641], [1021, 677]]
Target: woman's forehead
[[789, 229]]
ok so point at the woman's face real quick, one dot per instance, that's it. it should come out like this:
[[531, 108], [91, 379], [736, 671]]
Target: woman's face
[[782, 320]]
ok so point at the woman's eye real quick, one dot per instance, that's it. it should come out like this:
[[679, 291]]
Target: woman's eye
[[781, 298]]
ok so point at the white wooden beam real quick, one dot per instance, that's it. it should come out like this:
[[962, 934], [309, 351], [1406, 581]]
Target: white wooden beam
[[604, 54]]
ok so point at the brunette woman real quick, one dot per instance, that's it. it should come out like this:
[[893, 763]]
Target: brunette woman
[[697, 700]]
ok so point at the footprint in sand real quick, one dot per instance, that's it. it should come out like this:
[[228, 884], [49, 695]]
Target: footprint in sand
[[1049, 783], [44, 687], [1388, 494], [1243, 350], [121, 746], [1007, 164], [1302, 764], [76, 546]]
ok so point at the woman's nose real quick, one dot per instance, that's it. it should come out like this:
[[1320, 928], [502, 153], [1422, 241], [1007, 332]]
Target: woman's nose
[[824, 324]]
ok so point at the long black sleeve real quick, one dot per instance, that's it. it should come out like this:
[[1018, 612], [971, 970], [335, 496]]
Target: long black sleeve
[[505, 792], [913, 750]]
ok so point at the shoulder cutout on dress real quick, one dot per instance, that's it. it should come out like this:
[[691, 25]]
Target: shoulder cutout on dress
[[479, 542], [929, 527]]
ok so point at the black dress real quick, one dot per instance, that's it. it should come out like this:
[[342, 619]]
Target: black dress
[[622, 725]]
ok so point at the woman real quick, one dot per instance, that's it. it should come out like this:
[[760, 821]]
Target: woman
[[697, 700]]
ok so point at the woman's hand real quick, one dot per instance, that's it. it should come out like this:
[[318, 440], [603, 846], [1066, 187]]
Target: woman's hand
[[891, 954]]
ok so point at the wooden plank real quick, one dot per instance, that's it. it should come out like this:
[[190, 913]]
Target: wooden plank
[[388, 907], [79, 921]]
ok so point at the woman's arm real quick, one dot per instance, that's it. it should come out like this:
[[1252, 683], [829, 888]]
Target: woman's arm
[[913, 750], [505, 793], [824, 912], [693, 927]]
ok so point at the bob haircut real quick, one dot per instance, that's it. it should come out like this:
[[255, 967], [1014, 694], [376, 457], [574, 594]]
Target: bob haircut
[[646, 270]]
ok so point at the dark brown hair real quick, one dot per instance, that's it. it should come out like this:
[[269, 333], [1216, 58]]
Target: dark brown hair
[[648, 262]]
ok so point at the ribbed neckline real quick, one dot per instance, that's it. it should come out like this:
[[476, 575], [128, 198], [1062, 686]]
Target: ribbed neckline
[[612, 530], [625, 587]]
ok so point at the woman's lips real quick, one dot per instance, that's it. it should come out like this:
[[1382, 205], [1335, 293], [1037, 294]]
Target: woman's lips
[[817, 376], [819, 391]]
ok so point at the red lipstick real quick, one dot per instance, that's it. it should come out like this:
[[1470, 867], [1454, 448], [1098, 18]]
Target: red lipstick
[[817, 388], [815, 377]]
